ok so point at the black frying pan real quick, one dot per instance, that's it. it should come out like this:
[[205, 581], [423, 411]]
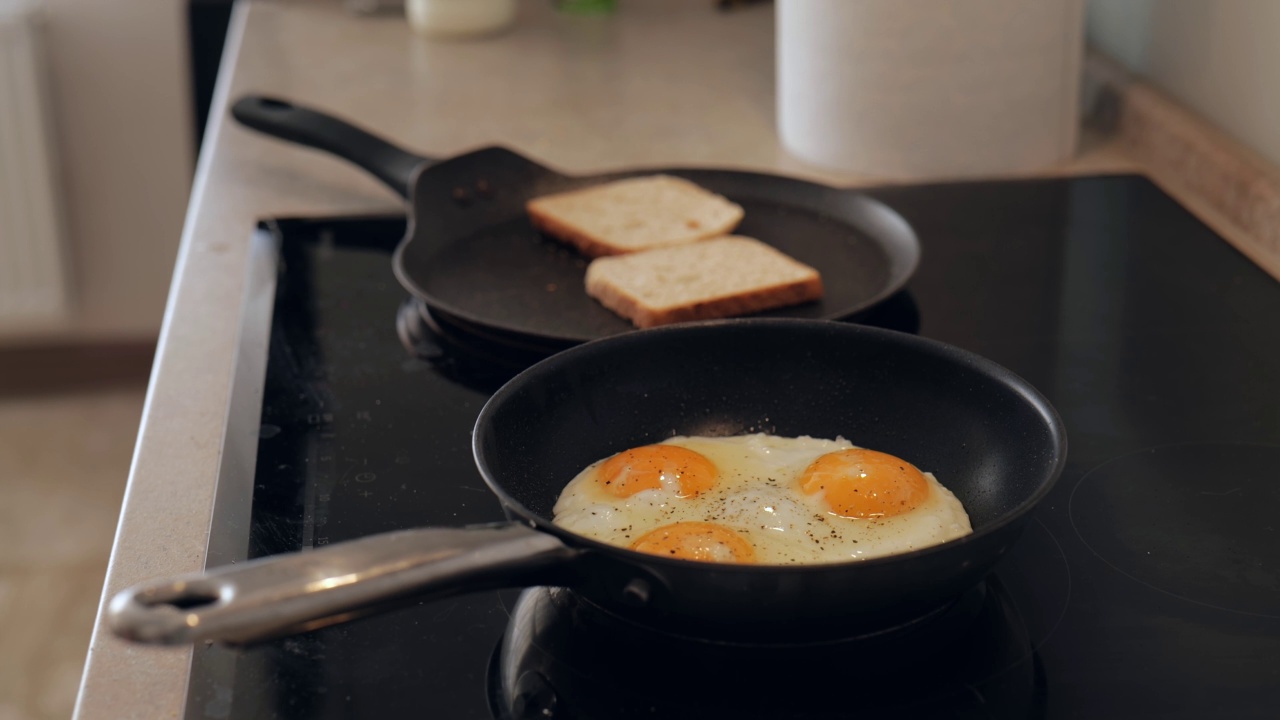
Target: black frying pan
[[472, 255], [985, 433]]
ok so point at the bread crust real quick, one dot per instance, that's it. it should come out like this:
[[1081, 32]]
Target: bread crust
[[757, 300]]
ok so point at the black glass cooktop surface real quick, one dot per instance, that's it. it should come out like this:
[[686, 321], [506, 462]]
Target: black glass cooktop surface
[[1147, 584]]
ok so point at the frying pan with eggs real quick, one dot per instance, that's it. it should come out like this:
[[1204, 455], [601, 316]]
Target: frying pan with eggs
[[985, 433], [471, 254]]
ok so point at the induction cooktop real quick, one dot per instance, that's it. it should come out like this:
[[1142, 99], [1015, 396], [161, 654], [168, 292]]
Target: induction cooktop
[[1147, 583]]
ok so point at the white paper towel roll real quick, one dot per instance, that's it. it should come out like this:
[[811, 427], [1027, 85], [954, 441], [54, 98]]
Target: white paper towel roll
[[913, 89]]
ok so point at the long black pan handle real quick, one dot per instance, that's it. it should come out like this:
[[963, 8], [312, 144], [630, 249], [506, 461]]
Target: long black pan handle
[[284, 594], [392, 165]]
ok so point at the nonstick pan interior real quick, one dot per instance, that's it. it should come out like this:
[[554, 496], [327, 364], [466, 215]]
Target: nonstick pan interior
[[985, 434], [968, 421]]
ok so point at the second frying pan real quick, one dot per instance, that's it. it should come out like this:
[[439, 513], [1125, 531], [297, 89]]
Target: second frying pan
[[988, 435], [472, 255]]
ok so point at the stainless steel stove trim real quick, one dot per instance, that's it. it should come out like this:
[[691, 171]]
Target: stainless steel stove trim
[[228, 531], [233, 495]]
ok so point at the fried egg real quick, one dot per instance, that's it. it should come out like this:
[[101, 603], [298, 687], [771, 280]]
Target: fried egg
[[760, 499]]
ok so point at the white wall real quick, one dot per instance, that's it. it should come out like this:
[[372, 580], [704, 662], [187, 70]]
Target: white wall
[[1220, 57], [120, 94]]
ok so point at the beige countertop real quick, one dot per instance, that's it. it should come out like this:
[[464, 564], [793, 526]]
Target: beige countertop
[[560, 89]]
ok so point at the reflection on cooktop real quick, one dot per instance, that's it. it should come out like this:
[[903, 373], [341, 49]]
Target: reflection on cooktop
[[1199, 522], [1035, 574], [484, 358], [467, 357], [563, 658]]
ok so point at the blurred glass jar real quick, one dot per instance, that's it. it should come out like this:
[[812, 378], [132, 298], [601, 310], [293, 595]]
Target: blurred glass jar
[[459, 18]]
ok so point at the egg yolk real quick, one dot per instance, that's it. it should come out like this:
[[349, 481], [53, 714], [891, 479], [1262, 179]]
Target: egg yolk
[[703, 541], [861, 483], [653, 466]]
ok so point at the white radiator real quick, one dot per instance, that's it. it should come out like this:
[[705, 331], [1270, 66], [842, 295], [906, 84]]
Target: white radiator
[[34, 284]]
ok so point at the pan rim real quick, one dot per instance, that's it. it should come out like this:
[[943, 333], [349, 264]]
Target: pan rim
[[1017, 515], [909, 242]]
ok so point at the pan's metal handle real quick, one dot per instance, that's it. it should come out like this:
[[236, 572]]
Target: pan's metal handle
[[392, 165], [297, 592]]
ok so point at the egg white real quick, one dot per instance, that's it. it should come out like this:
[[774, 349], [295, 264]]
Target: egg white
[[758, 495]]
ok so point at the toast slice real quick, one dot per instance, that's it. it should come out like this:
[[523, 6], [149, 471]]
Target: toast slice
[[716, 278], [636, 214]]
